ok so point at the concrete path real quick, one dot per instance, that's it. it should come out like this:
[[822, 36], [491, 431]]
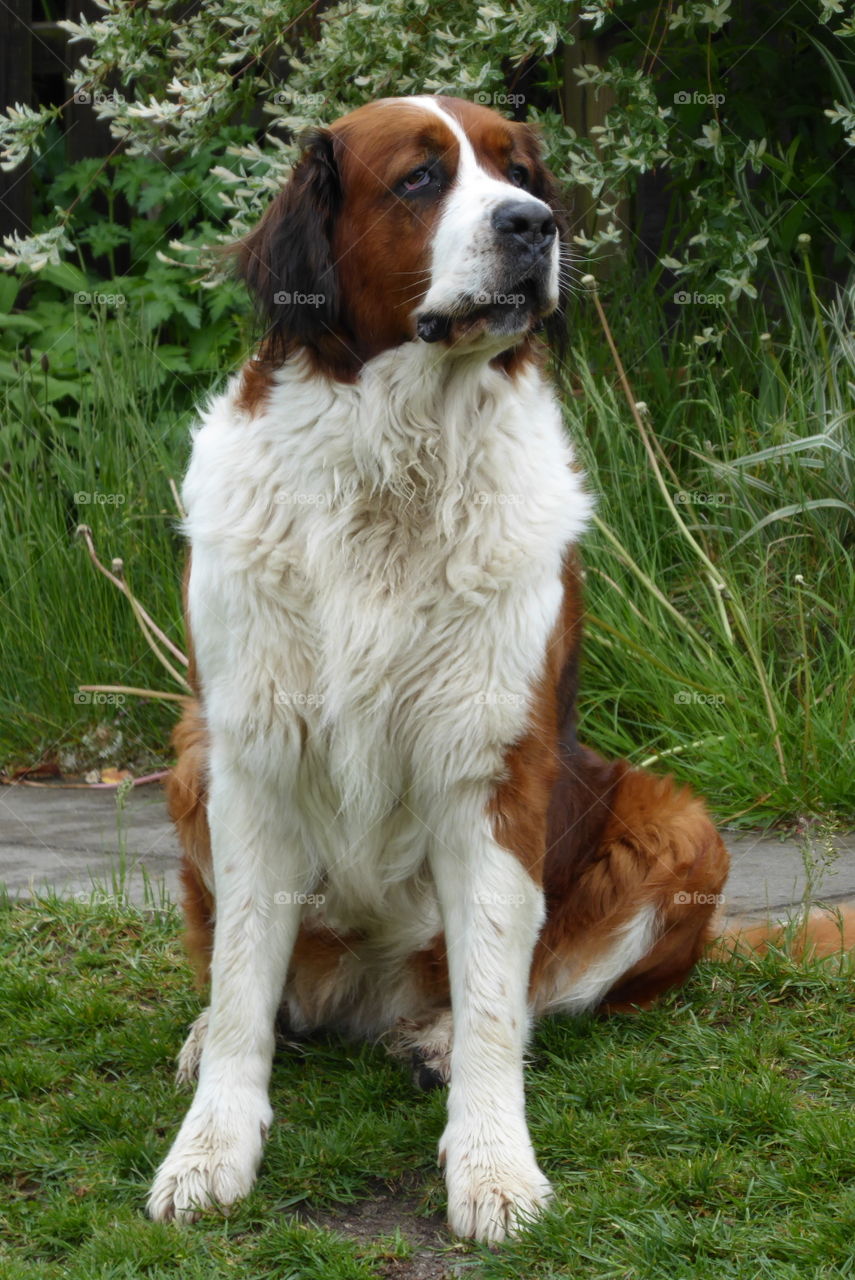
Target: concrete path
[[73, 840], [78, 841]]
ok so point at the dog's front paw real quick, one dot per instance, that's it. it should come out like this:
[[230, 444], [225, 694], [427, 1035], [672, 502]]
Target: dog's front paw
[[492, 1191], [213, 1160]]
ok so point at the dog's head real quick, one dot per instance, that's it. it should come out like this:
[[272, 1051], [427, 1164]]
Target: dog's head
[[411, 219]]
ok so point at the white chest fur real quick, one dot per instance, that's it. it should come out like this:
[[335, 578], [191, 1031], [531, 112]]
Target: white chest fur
[[376, 572]]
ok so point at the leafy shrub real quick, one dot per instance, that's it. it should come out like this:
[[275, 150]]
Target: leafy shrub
[[744, 114]]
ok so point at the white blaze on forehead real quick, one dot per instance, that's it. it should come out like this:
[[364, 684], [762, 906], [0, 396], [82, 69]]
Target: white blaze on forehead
[[468, 158]]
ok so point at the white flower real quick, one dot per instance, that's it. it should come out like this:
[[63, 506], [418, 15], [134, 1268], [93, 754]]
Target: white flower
[[36, 251]]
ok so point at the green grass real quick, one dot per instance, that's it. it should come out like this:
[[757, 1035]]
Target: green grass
[[106, 463], [713, 1136], [720, 591]]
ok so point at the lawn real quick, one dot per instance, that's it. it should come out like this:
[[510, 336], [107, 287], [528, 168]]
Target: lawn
[[711, 1137]]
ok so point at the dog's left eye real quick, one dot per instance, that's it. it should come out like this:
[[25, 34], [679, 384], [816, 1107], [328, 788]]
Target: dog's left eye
[[519, 175]]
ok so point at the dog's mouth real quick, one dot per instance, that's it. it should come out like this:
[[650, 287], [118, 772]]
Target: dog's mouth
[[511, 312]]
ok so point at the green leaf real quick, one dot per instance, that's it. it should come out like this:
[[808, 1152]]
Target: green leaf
[[9, 287], [102, 237], [173, 358], [66, 276], [796, 508], [191, 311], [21, 324]]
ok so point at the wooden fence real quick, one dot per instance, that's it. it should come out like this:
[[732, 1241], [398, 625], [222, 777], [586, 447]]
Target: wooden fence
[[34, 69]]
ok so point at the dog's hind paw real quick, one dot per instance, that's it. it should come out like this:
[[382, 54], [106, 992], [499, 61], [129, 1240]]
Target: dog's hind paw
[[187, 1068]]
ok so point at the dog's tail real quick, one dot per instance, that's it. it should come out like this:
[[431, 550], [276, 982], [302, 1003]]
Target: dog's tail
[[820, 933]]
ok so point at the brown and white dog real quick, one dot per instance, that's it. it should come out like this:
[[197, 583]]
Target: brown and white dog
[[388, 825]]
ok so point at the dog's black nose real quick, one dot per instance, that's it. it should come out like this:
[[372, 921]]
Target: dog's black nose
[[529, 223]]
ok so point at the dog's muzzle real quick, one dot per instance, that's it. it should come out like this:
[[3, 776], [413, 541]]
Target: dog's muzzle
[[524, 237]]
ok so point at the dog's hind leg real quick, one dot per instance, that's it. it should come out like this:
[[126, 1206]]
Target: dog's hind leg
[[632, 881], [187, 1068], [427, 1046], [186, 798], [187, 801]]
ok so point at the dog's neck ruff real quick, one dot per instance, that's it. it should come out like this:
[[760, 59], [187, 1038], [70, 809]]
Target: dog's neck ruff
[[437, 433]]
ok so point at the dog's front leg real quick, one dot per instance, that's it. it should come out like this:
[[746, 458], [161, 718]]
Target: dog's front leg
[[492, 910], [260, 874]]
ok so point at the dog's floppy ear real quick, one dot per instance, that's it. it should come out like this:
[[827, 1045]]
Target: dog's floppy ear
[[287, 263]]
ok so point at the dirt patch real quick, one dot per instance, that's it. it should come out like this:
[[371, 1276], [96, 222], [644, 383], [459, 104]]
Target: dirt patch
[[435, 1254]]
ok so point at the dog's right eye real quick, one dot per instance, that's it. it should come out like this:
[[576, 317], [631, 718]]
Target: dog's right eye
[[417, 180]]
